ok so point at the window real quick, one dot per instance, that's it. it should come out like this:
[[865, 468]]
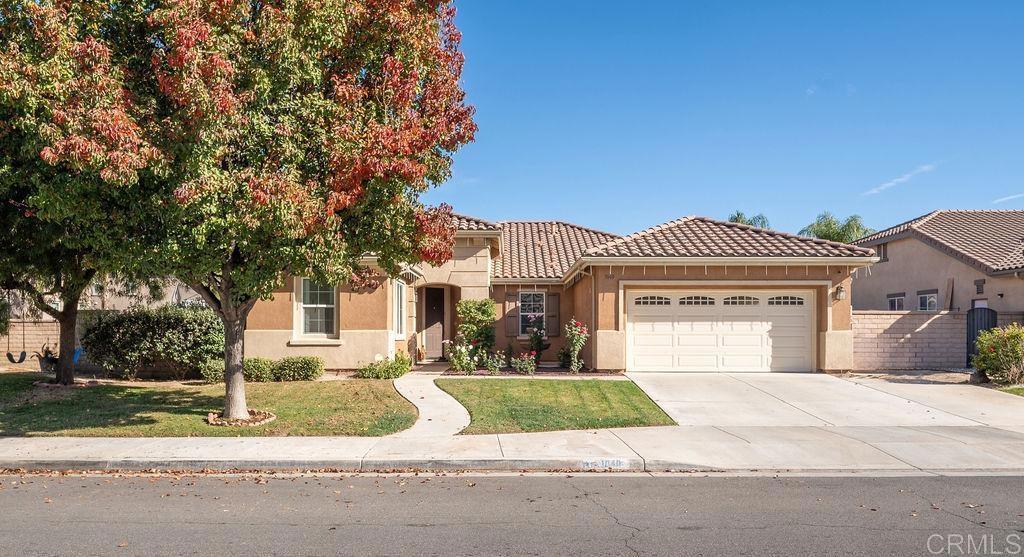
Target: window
[[696, 301], [979, 286], [652, 301], [927, 302], [317, 308], [785, 301], [531, 311], [400, 307], [896, 303], [983, 303], [740, 301], [882, 250]]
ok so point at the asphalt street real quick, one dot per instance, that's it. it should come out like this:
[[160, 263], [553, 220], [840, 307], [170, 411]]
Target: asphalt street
[[510, 515]]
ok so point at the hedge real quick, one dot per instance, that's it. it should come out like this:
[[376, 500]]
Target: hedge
[[386, 369], [265, 370], [126, 342]]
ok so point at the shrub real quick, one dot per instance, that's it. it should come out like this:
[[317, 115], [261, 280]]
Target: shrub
[[1001, 354], [476, 324], [128, 341], [460, 357], [525, 363], [564, 359], [386, 369], [494, 363], [212, 371], [576, 336], [537, 342], [258, 370], [298, 368]]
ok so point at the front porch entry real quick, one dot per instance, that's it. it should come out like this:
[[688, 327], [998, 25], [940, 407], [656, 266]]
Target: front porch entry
[[436, 306]]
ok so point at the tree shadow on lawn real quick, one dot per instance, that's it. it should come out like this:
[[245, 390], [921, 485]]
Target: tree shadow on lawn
[[106, 410]]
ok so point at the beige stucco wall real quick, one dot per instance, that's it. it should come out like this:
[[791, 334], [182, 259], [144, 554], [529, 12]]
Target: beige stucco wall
[[469, 268], [913, 265], [833, 350], [566, 311]]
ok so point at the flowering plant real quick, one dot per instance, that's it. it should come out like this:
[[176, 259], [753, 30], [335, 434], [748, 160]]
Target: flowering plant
[[460, 357], [537, 334], [576, 335], [525, 363]]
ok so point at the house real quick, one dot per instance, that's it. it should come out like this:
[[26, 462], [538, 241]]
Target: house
[[693, 294], [946, 261]]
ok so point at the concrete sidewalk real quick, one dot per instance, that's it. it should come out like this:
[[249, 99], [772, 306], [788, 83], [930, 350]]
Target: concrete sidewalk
[[864, 450]]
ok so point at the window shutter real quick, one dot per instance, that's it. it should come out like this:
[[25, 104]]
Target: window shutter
[[512, 314], [552, 322]]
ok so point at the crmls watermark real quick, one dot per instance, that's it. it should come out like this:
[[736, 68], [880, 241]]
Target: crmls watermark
[[975, 544]]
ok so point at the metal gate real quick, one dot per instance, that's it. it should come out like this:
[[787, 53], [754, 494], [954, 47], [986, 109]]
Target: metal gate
[[978, 320]]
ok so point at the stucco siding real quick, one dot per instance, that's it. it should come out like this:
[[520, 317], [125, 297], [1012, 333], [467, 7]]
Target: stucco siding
[[913, 266], [519, 344]]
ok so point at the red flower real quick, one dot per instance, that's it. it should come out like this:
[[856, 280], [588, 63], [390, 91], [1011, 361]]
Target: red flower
[[533, 352]]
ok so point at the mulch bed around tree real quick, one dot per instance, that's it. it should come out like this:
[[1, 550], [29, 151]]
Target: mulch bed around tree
[[256, 418]]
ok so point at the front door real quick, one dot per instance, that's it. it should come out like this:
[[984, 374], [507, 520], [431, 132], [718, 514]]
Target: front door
[[433, 322]]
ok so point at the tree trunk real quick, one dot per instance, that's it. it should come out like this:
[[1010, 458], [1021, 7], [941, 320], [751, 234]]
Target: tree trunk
[[68, 323], [234, 383]]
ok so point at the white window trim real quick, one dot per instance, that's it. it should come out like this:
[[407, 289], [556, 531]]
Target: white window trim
[[400, 309], [543, 313], [298, 323], [901, 298], [925, 297]]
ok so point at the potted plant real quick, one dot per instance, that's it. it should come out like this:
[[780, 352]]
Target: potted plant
[[47, 359]]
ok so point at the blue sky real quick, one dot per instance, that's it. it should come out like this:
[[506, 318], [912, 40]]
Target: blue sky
[[622, 115]]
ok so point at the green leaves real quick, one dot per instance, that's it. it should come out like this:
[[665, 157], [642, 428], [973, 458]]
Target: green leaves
[[828, 227]]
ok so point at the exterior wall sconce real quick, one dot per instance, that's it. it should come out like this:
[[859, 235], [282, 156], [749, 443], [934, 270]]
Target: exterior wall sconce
[[840, 293]]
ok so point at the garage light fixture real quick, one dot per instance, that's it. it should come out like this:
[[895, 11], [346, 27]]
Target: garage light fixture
[[840, 293]]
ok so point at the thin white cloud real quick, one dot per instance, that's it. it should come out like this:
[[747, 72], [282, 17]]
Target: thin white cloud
[[901, 179], [811, 91], [1007, 198]]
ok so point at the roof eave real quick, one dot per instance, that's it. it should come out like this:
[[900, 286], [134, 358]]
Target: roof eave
[[849, 261]]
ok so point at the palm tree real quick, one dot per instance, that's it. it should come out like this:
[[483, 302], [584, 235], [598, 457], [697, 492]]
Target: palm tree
[[758, 220], [828, 227]]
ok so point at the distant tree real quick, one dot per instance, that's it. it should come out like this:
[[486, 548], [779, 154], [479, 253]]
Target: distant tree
[[303, 135], [828, 227], [758, 220]]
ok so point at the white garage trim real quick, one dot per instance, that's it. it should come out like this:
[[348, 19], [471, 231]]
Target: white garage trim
[[758, 348]]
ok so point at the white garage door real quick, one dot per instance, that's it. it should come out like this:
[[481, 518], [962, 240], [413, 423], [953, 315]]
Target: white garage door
[[740, 330]]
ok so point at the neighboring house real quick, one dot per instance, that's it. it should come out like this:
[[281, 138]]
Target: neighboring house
[[946, 261], [694, 294]]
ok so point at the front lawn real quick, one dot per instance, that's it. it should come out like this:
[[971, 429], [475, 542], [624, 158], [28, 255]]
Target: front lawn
[[364, 407], [521, 405], [1019, 391]]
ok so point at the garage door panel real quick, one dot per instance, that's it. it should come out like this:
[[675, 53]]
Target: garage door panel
[[740, 340], [697, 340], [757, 331]]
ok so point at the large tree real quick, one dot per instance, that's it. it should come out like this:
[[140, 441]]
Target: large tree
[[301, 134], [71, 151], [828, 227]]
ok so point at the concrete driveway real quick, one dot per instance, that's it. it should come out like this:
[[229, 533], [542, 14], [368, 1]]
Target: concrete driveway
[[810, 399], [805, 421]]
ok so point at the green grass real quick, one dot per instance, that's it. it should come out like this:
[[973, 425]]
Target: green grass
[[1019, 391], [364, 407], [521, 405]]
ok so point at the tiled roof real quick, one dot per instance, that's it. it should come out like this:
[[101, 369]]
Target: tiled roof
[[463, 222], [992, 240], [704, 237], [543, 250]]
